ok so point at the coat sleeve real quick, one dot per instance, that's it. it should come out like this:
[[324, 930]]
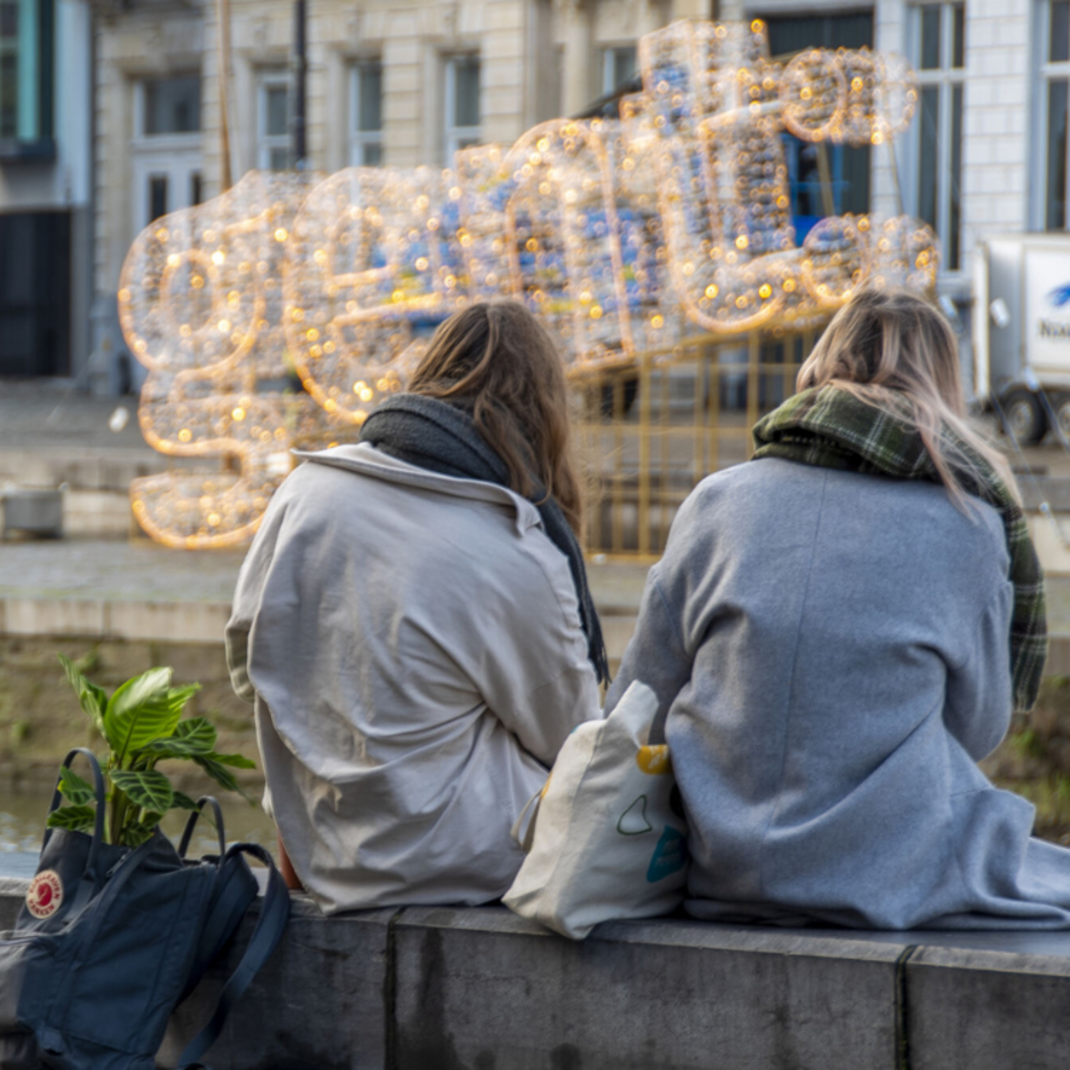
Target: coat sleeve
[[246, 602], [534, 673], [658, 654], [655, 654], [979, 692]]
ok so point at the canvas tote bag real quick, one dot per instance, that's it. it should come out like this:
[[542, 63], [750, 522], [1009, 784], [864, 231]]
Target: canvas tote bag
[[606, 837]]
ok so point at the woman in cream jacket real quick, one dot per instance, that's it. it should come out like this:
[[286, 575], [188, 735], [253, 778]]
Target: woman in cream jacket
[[414, 626]]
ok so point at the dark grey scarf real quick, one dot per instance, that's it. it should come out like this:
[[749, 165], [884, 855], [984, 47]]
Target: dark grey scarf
[[433, 434]]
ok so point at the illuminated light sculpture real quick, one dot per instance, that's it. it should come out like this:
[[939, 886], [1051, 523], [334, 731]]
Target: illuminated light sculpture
[[585, 245], [561, 221], [201, 306], [371, 261], [619, 234], [711, 114]]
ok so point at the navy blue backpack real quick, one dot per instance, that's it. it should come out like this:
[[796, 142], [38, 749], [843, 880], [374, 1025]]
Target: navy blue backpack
[[111, 939]]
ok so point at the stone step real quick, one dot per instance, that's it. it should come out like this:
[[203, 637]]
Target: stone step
[[95, 483], [80, 469], [35, 512]]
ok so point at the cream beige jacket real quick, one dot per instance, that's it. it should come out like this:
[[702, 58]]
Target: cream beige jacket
[[413, 646]]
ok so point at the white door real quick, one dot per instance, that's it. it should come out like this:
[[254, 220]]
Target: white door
[[165, 182], [166, 148]]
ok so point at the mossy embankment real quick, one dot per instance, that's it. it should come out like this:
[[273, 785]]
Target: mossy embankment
[[40, 719], [1034, 760]]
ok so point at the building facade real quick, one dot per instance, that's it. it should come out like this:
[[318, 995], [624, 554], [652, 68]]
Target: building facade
[[404, 82], [395, 83], [45, 186]]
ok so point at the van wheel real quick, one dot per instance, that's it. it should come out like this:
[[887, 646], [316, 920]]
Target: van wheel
[[1061, 408], [1024, 417]]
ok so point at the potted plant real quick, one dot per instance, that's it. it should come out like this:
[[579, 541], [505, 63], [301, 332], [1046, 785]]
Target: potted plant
[[141, 722], [118, 926]]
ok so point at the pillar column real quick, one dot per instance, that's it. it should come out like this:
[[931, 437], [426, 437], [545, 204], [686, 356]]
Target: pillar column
[[579, 58]]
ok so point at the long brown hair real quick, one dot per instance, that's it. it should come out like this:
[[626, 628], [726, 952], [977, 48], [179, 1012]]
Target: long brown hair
[[496, 361], [887, 346]]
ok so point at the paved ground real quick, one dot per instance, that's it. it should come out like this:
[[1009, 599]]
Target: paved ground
[[141, 571], [136, 570], [43, 413]]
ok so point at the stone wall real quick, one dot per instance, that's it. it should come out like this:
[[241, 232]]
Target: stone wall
[[481, 989]]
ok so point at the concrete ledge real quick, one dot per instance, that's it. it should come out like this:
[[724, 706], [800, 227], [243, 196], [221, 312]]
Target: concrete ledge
[[163, 621], [83, 467], [480, 989], [977, 1008], [319, 1003], [36, 512]]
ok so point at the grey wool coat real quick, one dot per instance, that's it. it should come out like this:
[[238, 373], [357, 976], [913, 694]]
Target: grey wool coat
[[830, 654]]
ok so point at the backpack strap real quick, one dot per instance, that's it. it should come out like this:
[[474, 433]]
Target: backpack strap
[[92, 865], [191, 824], [274, 913]]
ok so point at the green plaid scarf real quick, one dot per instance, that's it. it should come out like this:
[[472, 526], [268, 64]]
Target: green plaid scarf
[[832, 428]]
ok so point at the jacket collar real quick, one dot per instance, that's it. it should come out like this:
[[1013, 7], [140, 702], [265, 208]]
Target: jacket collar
[[366, 460]]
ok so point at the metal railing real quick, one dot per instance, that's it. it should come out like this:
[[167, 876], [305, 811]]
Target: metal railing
[[648, 433]]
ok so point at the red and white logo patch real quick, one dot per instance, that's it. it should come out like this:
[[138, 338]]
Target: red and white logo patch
[[45, 894]]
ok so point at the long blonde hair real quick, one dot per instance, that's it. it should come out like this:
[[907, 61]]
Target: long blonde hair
[[888, 347]]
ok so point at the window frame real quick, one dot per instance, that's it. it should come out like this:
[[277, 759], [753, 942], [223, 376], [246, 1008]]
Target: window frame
[[609, 54], [1047, 72], [34, 136], [453, 134], [945, 79], [266, 144], [163, 142], [830, 27], [361, 140]]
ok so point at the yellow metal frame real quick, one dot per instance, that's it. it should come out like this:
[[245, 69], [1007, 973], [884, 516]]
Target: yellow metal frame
[[648, 433]]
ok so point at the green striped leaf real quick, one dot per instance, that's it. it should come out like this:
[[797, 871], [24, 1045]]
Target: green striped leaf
[[93, 699], [192, 737], [73, 788], [145, 788], [235, 761], [72, 818], [139, 712]]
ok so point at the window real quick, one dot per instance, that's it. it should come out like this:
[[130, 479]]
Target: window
[[171, 105], [35, 293], [462, 103], [1055, 73], [618, 65], [157, 196], [939, 54], [822, 177], [166, 151], [26, 51], [273, 123], [366, 137]]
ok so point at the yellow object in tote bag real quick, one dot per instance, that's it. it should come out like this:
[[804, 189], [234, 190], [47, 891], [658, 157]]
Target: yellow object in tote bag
[[606, 837]]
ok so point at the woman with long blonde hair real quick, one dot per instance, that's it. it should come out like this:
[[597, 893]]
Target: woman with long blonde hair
[[838, 631], [414, 625]]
